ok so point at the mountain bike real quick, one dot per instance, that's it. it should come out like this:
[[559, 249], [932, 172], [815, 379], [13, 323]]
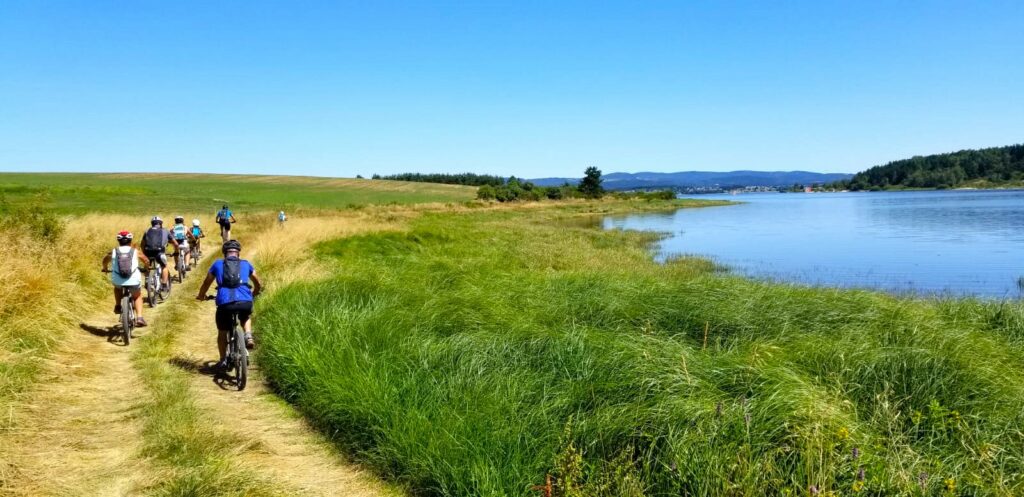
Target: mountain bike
[[180, 265], [237, 355], [195, 254], [127, 313], [155, 289]]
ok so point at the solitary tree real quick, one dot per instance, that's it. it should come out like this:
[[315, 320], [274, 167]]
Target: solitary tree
[[590, 186]]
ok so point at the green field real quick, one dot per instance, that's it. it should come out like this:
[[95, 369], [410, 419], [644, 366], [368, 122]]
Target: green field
[[476, 353], [144, 193]]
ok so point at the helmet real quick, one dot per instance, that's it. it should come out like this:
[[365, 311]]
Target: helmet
[[124, 236], [225, 206], [179, 219], [231, 245], [156, 220], [195, 222]]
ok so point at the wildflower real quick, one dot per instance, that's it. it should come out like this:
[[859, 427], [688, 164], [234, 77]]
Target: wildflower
[[860, 474], [922, 480], [916, 417], [843, 433], [813, 489], [857, 486], [718, 409], [855, 453], [950, 485]]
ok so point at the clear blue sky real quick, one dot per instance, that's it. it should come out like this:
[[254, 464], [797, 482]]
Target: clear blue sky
[[520, 87]]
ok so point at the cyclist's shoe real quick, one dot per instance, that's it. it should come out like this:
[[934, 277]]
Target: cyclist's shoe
[[117, 309], [140, 322], [221, 365], [249, 342]]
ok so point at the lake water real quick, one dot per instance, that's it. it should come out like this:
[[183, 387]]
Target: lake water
[[962, 242]]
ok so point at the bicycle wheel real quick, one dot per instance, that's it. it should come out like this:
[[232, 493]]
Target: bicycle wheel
[[165, 290], [127, 317], [151, 292], [241, 361]]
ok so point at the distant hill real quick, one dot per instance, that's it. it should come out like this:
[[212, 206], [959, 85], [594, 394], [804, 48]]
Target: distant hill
[[705, 179], [994, 166]]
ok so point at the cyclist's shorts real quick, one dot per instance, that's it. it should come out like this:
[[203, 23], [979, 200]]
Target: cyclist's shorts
[[226, 313], [160, 256], [131, 288]]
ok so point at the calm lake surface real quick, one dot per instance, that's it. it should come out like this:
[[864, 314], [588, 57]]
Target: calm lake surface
[[940, 242]]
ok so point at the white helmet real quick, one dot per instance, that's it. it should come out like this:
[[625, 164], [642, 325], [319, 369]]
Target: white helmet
[[195, 222]]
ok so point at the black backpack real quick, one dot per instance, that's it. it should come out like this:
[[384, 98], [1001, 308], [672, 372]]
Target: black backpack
[[125, 263], [232, 275], [154, 240]]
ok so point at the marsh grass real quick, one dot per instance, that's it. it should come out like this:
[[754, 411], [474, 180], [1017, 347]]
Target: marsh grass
[[475, 353]]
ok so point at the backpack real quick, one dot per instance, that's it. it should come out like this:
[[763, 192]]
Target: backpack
[[124, 264], [179, 232], [154, 240], [224, 218], [232, 275]]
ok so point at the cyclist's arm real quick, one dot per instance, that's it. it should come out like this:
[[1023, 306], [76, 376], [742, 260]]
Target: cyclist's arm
[[257, 286], [106, 262], [145, 260], [210, 278]]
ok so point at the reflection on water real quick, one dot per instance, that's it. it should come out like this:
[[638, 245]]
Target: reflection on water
[[958, 242]]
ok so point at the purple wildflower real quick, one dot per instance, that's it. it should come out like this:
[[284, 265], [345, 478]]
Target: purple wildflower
[[860, 474], [922, 480], [856, 453]]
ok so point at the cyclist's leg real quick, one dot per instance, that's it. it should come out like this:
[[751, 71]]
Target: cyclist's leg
[[225, 319], [137, 302], [245, 317], [165, 274], [117, 299]]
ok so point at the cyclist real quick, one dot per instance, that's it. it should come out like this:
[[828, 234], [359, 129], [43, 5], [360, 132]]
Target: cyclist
[[180, 233], [281, 218], [224, 218], [126, 274], [234, 297], [154, 245], [195, 234]]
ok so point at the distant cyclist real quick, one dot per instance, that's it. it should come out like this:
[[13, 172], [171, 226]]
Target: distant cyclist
[[234, 296], [154, 245], [180, 232], [281, 218], [224, 218], [126, 274], [195, 234]]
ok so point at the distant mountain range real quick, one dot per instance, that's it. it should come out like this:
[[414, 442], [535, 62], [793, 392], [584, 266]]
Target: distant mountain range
[[704, 179]]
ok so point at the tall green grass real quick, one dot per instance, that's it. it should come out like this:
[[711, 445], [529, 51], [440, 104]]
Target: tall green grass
[[477, 353]]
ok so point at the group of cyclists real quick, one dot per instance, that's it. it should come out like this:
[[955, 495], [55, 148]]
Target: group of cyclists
[[237, 283]]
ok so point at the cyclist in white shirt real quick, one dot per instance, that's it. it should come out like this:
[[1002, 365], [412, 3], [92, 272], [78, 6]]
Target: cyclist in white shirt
[[126, 275]]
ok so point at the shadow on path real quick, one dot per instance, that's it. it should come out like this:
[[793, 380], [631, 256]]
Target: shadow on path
[[220, 377], [111, 333]]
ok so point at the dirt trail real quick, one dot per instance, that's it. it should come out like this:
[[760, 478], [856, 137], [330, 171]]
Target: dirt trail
[[77, 433], [285, 448]]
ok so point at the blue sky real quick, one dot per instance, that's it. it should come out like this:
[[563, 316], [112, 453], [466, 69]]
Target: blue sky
[[526, 88]]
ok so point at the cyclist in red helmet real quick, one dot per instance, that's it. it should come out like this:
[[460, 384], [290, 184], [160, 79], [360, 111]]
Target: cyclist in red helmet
[[126, 275]]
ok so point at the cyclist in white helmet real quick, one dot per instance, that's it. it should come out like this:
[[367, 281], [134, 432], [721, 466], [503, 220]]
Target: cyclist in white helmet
[[194, 235], [126, 275]]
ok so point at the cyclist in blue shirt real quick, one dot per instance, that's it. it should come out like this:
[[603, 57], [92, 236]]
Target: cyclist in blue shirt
[[234, 295], [224, 218]]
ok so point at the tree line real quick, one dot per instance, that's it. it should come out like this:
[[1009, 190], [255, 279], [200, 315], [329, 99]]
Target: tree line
[[468, 179], [996, 165], [514, 189]]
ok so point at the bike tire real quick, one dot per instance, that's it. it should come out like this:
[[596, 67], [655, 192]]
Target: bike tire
[[242, 362], [151, 292], [165, 291], [127, 318]]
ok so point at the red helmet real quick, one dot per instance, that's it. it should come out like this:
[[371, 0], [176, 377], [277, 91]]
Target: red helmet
[[124, 235]]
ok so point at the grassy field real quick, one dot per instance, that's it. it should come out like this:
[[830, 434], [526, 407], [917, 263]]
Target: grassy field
[[204, 193], [474, 353]]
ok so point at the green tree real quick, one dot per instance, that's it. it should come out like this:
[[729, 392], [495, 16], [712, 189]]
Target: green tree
[[590, 185]]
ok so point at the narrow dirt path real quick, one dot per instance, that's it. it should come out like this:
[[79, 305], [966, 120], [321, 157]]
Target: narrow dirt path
[[78, 433], [284, 447]]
